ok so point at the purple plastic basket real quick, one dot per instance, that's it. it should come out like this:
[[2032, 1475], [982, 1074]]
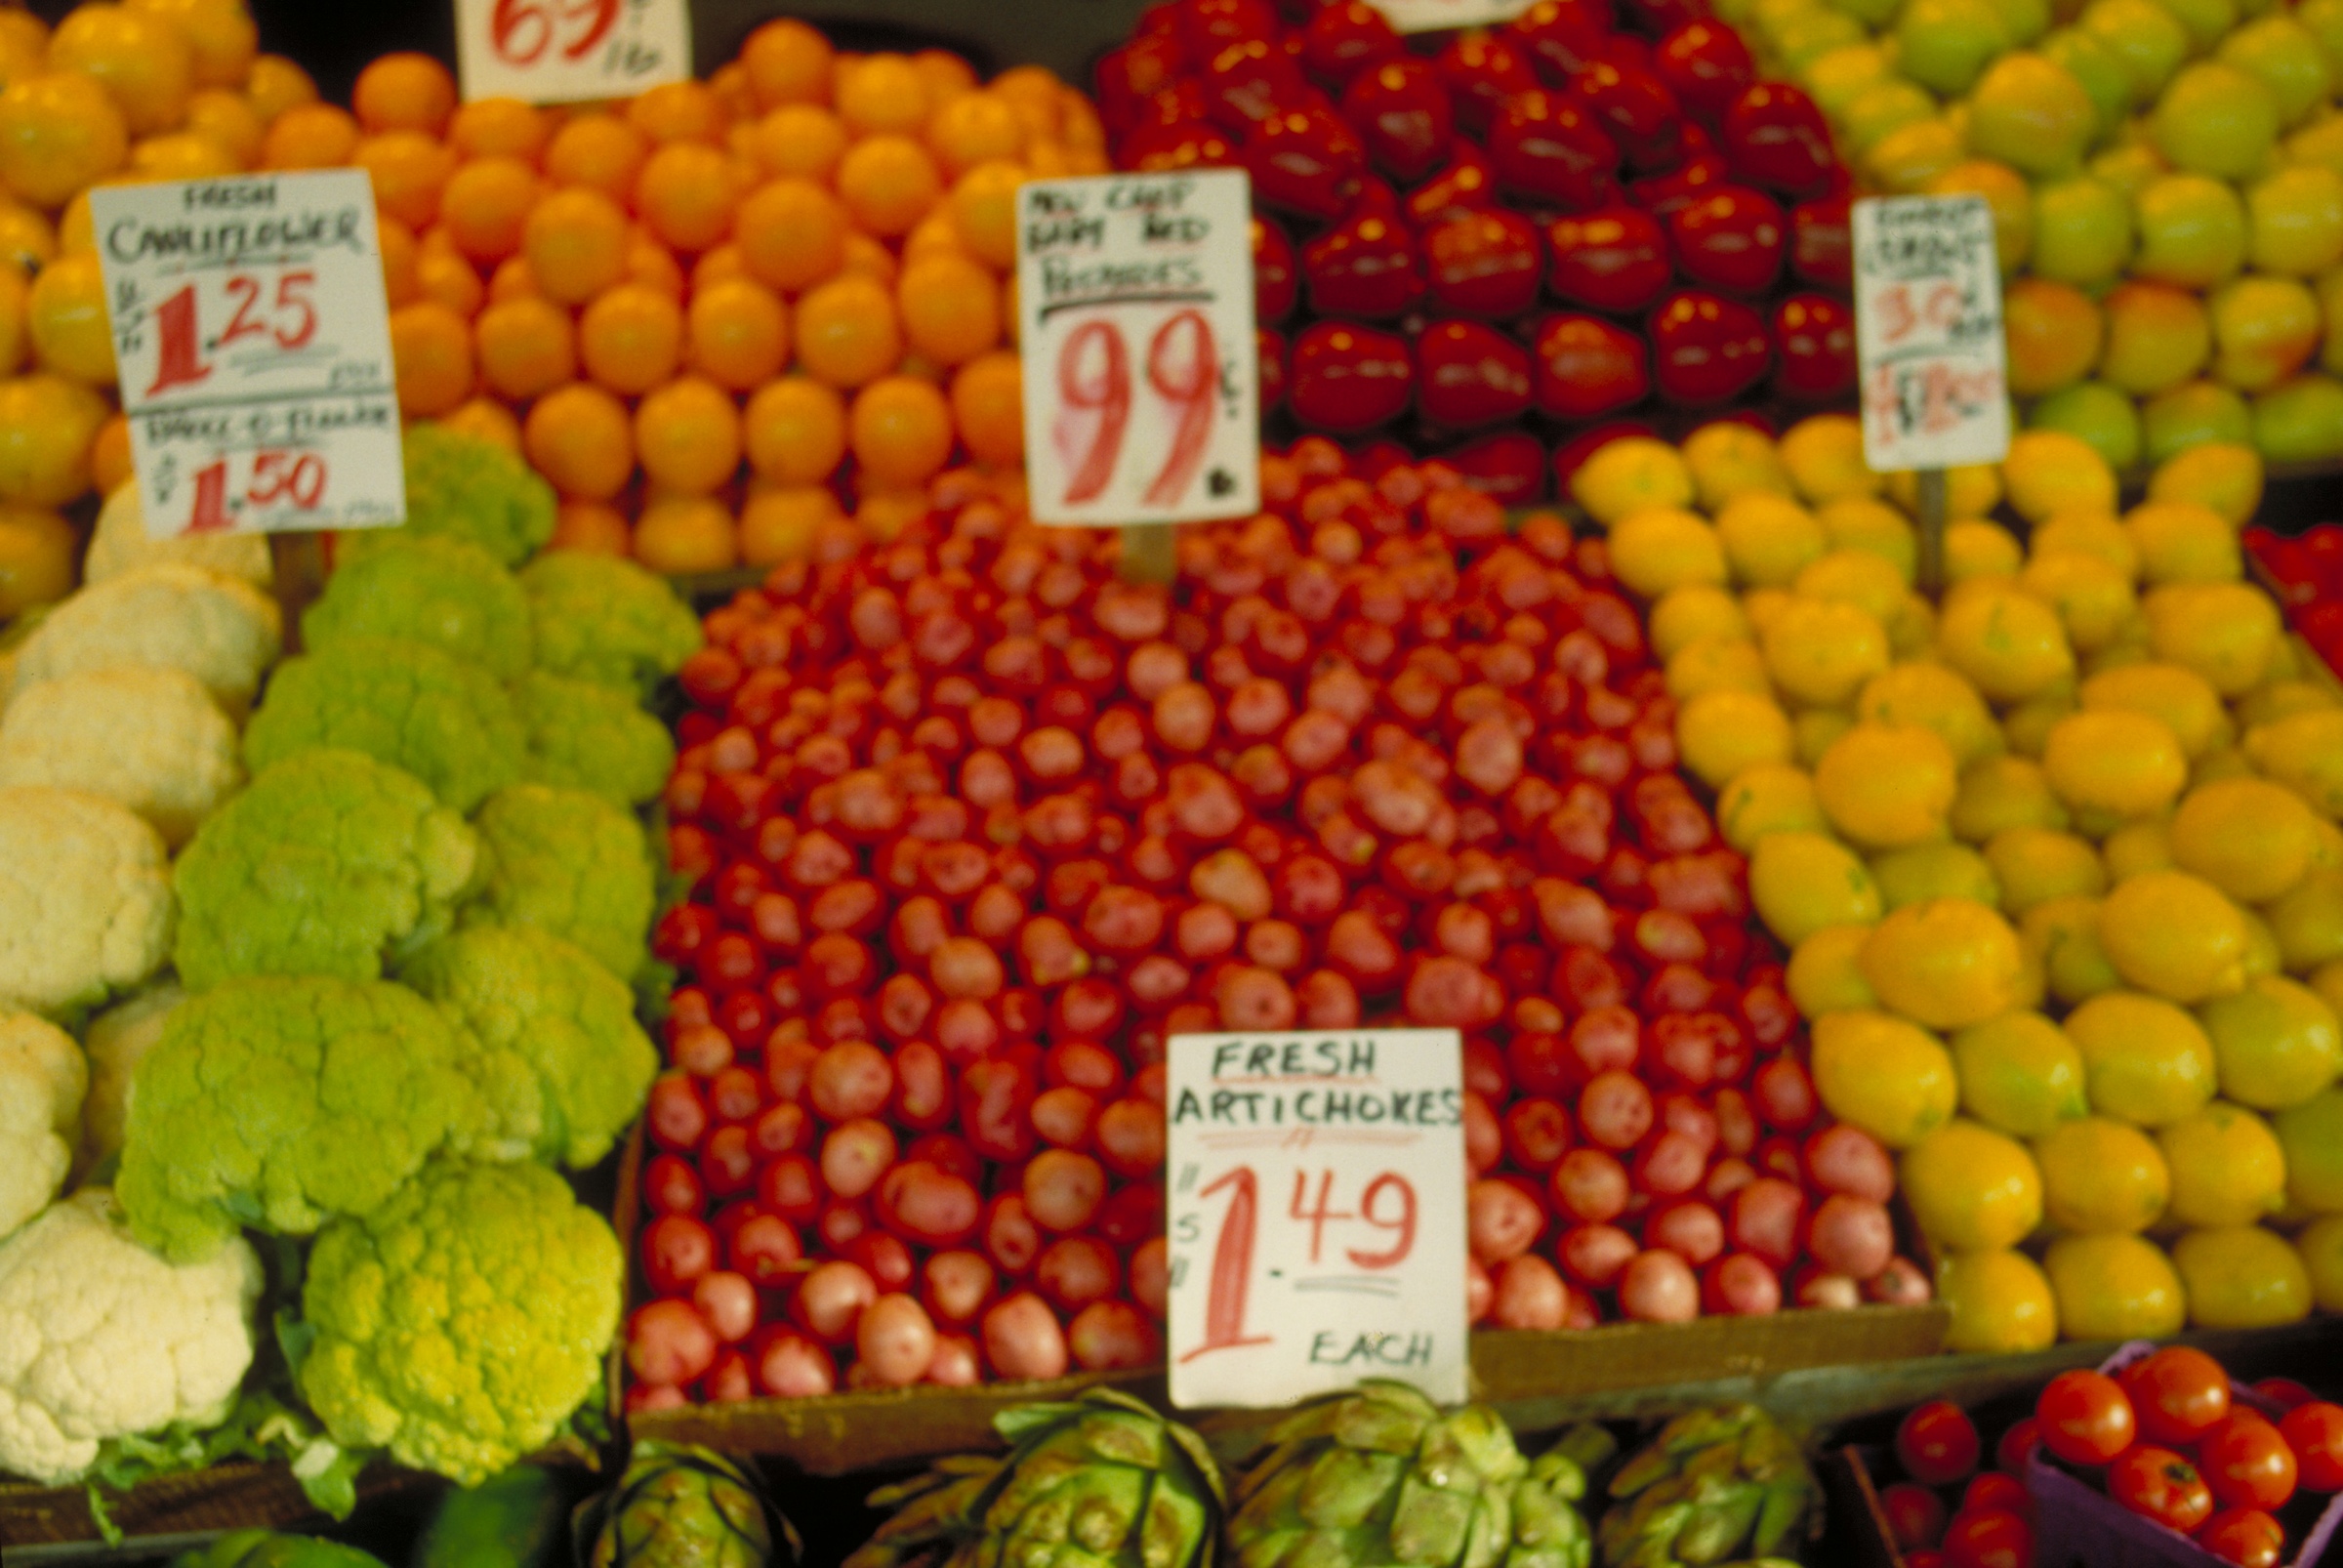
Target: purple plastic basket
[[2075, 1523]]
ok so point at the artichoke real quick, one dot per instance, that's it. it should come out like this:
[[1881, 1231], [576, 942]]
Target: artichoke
[[677, 1507], [1100, 1483], [1717, 1483], [1378, 1476], [266, 1548]]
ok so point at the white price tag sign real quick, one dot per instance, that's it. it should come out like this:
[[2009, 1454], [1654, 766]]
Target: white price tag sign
[[1433, 16], [1142, 383], [1316, 1209], [1928, 333], [254, 347], [570, 50]]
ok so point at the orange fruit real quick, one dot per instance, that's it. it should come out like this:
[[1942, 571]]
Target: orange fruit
[[109, 456], [684, 534], [575, 241], [738, 333], [988, 408], [716, 266], [220, 37], [1035, 85], [431, 346], [933, 235], [947, 75], [443, 275], [27, 241], [526, 347], [984, 208], [678, 111], [779, 525], [888, 183], [881, 94], [499, 128], [685, 195], [76, 229], [787, 61], [796, 431], [180, 155], [486, 204], [591, 527], [404, 92], [901, 432], [653, 264], [274, 83], [37, 548], [599, 151], [410, 168], [730, 85], [846, 333], [1080, 127], [143, 61], [865, 257], [229, 119], [512, 281], [59, 133], [580, 438], [66, 317], [15, 341], [630, 337], [799, 139], [398, 247], [23, 43], [974, 128], [687, 436], [47, 426], [950, 306], [488, 418], [791, 233], [309, 135]]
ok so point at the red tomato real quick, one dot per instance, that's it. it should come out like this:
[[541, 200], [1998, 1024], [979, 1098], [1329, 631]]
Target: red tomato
[[2283, 1393], [2083, 1417], [2315, 1433], [2016, 1446], [1993, 1490], [2158, 1484], [1925, 1557], [2246, 1537], [1994, 1540], [2177, 1394], [1937, 1443], [1915, 1515], [2246, 1463]]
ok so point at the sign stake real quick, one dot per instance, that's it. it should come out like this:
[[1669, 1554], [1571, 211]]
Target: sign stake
[[1150, 553], [1931, 571]]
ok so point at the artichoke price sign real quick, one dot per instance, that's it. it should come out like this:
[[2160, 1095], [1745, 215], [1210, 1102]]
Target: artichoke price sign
[[1935, 387], [1315, 1204], [253, 343], [1142, 378], [570, 50]]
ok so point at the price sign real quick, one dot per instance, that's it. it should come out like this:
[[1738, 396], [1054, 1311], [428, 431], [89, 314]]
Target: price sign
[[1134, 295], [1316, 1205], [1928, 333], [254, 350], [1432, 16], [569, 51]]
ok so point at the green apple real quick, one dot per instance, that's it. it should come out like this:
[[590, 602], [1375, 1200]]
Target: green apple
[[2031, 113], [2158, 337], [2320, 142], [1871, 12], [2149, 39], [1906, 159], [2130, 168], [2024, 21], [1833, 80], [2324, 19], [2216, 119], [2287, 57], [2082, 230], [2192, 231], [2096, 414], [1946, 43], [2096, 66], [2208, 21], [2007, 192], [1885, 106], [2191, 415], [2264, 330], [1810, 37], [2294, 219], [2300, 421]]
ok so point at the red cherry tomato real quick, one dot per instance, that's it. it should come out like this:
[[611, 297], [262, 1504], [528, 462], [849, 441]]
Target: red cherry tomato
[[2284, 1392], [1915, 1515], [1937, 1444], [2016, 1446], [2177, 1394], [2083, 1417], [2158, 1484], [1992, 1491], [2246, 1537], [1995, 1539], [2246, 1463], [2315, 1433]]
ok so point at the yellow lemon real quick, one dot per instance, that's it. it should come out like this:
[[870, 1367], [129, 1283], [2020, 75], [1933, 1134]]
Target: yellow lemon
[[1729, 459], [1946, 964], [1887, 785], [1722, 733], [2049, 471], [2099, 1174], [37, 552], [1926, 871], [2026, 727], [1978, 548], [1768, 538], [2175, 935], [1717, 664], [1768, 798], [1859, 523], [2089, 533], [2242, 1277], [2321, 1244], [1815, 728], [2062, 939], [2275, 699], [1685, 615], [2227, 1167], [1628, 476], [2114, 1286], [2144, 1060], [2275, 1044], [2182, 699], [2308, 921], [2247, 837], [1820, 652], [2179, 542], [2010, 645], [1884, 1076], [1970, 1189], [1661, 547], [2311, 1135], [47, 425], [2001, 793], [2262, 957], [1934, 698], [2114, 763], [2224, 476], [1971, 490], [2034, 865], [1824, 454], [2225, 632], [2001, 1304], [2019, 1072], [1858, 577], [66, 317], [2328, 980], [2223, 762], [2304, 751], [2136, 848], [1911, 631], [1825, 973], [1763, 607], [1803, 881], [2094, 601]]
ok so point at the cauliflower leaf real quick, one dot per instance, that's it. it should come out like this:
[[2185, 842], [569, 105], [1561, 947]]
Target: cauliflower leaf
[[151, 740], [435, 589], [446, 722], [570, 863], [221, 630], [591, 737], [85, 898], [469, 487], [43, 1080], [603, 619], [120, 543]]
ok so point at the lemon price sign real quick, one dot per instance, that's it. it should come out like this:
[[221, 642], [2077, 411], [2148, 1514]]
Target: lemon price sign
[[1935, 389], [570, 50]]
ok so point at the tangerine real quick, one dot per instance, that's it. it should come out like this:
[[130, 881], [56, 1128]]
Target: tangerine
[[792, 233], [59, 133], [499, 128], [309, 135], [486, 204], [431, 345], [598, 151], [404, 92], [901, 432], [580, 438], [630, 337], [787, 61], [688, 435], [687, 193], [738, 333], [678, 111], [575, 240], [846, 333], [143, 60], [951, 307], [796, 431], [526, 347]]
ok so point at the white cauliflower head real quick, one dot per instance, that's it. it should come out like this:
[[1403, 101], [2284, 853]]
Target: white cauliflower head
[[121, 544], [85, 898], [116, 1041], [100, 1338], [43, 1080], [146, 738], [221, 630]]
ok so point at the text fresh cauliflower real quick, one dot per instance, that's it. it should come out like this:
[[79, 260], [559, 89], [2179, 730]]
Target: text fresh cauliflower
[[116, 1041], [471, 489], [100, 1338], [150, 740], [85, 899], [461, 1323], [446, 722], [606, 620], [324, 863], [221, 630], [280, 1102], [593, 737], [43, 1080], [432, 589], [121, 544], [570, 863]]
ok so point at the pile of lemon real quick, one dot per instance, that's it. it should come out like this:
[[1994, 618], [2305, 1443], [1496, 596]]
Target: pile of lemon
[[2056, 856]]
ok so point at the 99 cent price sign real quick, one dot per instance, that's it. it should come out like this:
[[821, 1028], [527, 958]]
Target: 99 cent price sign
[[1316, 1211], [254, 351], [1432, 16], [570, 50], [1935, 390]]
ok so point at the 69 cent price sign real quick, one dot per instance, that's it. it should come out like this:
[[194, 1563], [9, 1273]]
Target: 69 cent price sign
[[254, 348], [1315, 1200], [569, 51]]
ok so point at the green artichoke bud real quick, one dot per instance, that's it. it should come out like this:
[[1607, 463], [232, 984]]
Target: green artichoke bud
[[678, 1507], [265, 1548], [1713, 1484]]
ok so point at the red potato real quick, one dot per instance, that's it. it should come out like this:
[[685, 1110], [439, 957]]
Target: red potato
[[790, 1366], [792, 1188], [1901, 1283], [1688, 1228], [1595, 1256], [1852, 1236], [1846, 1159], [1817, 1288], [926, 1205], [1766, 1216], [1063, 1189], [728, 1302], [1670, 1165], [671, 1186], [1108, 1336], [1537, 1134], [1590, 1187], [883, 1258], [1657, 1287], [1741, 1284], [1785, 1094], [849, 1080], [1064, 1118], [894, 1341], [831, 1299], [1022, 1338], [1480, 1291], [669, 1341], [923, 1087], [955, 1364], [1011, 1240], [956, 1285], [676, 1250], [764, 1248], [855, 1155], [1073, 1271], [1528, 1295], [1150, 1276], [729, 1380], [649, 1396], [1129, 1136], [1615, 1110], [1484, 1135], [1501, 1221]]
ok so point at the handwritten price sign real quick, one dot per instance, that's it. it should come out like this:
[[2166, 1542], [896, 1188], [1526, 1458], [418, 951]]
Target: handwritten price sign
[[568, 51], [1432, 15], [1316, 1204], [254, 347], [1928, 333], [1141, 378]]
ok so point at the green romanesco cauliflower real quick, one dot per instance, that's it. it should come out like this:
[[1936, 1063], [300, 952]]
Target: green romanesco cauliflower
[[470, 487], [323, 863], [570, 863], [429, 588], [460, 1324], [603, 619], [282, 1101], [448, 722], [591, 737], [584, 1064]]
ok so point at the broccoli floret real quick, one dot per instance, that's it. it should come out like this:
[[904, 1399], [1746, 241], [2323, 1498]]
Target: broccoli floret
[[585, 1064], [470, 487], [282, 1101], [447, 722], [459, 1323], [570, 863], [328, 859], [603, 619], [435, 589], [591, 737]]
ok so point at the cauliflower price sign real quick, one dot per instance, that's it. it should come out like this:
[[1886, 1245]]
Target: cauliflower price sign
[[254, 346], [1316, 1208], [1935, 392], [568, 51]]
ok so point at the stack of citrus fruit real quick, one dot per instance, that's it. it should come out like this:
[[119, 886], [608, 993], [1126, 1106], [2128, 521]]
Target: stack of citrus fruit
[[2057, 856]]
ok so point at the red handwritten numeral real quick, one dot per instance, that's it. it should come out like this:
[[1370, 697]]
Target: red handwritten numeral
[[1405, 1224], [521, 31], [293, 294], [1189, 387], [1109, 396], [1232, 1266], [1192, 394], [178, 360], [284, 475], [1317, 1217], [209, 515]]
